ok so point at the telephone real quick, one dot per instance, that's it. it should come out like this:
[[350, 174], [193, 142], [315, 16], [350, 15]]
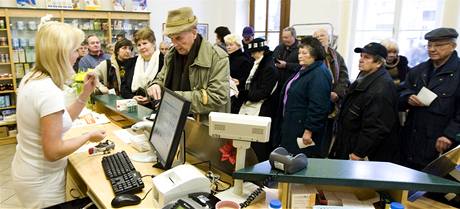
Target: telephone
[[194, 201]]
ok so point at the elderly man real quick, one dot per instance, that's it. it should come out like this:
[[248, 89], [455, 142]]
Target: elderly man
[[95, 54], [286, 54], [431, 126], [164, 47], [335, 63], [193, 68], [368, 120]]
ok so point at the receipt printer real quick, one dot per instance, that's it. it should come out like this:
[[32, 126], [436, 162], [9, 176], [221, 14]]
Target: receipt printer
[[177, 182]]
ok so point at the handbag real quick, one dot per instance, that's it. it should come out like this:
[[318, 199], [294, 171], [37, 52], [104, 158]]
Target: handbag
[[251, 108]]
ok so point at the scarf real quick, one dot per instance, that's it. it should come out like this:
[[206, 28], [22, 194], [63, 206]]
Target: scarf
[[178, 78], [331, 57], [252, 72], [143, 75]]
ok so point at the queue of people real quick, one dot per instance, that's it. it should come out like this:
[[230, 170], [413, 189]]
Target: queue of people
[[303, 85]]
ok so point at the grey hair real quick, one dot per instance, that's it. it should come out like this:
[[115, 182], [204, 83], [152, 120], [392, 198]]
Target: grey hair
[[292, 30]]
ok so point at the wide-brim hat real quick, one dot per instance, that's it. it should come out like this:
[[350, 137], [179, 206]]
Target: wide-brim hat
[[257, 44], [179, 20], [373, 48]]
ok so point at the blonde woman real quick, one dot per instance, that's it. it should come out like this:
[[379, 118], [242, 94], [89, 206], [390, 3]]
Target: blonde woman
[[38, 167]]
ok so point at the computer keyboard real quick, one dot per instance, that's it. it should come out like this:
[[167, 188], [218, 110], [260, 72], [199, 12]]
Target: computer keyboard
[[124, 178]]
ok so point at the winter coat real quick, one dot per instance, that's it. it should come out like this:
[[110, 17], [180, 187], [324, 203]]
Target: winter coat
[[307, 107], [209, 80], [368, 120], [442, 118], [291, 56], [261, 86]]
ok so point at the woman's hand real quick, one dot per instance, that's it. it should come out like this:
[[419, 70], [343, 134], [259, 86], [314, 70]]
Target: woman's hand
[[307, 137], [141, 100], [96, 136], [89, 84]]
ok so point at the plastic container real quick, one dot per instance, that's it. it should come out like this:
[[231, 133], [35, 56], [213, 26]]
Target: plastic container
[[396, 205], [275, 204]]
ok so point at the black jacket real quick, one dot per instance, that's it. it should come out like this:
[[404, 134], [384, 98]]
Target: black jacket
[[127, 79], [261, 86], [240, 66], [442, 118], [368, 120], [291, 56]]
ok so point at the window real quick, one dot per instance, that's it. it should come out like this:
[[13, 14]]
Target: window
[[269, 17], [406, 21]]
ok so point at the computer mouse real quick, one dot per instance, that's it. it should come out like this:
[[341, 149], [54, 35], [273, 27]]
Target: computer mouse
[[125, 200]]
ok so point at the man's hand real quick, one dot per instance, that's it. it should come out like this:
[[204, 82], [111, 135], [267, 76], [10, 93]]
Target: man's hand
[[414, 101], [280, 63], [307, 137], [354, 157], [154, 91], [334, 97], [442, 144]]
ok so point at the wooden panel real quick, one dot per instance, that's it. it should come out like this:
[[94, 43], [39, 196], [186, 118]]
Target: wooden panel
[[85, 15], [2, 12], [426, 203], [8, 140], [131, 16], [32, 13]]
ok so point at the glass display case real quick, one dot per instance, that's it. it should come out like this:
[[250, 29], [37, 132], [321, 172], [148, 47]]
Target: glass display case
[[126, 28], [98, 27]]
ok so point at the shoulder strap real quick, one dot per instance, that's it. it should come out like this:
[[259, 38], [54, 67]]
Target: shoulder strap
[[109, 65]]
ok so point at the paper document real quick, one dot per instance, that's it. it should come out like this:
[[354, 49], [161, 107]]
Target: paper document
[[426, 96], [302, 145], [124, 135]]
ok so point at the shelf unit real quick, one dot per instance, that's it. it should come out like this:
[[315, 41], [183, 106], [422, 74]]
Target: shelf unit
[[20, 26]]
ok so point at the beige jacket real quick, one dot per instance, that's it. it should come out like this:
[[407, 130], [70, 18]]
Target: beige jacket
[[209, 80]]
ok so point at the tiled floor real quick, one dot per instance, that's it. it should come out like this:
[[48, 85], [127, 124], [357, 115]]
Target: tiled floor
[[8, 198]]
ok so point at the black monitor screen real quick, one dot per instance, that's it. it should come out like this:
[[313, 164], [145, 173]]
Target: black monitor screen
[[167, 128]]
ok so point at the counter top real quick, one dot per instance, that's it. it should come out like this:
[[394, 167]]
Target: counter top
[[377, 175]]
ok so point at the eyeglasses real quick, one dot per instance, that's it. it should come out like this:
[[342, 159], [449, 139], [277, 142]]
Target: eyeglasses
[[436, 45]]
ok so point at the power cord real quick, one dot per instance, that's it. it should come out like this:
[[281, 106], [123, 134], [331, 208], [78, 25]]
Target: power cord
[[149, 189], [258, 191], [214, 179]]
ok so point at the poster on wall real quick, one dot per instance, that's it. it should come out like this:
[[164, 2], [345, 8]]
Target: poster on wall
[[26, 3], [139, 5], [119, 5]]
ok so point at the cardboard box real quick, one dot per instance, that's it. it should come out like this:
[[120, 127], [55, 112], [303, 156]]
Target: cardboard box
[[3, 131]]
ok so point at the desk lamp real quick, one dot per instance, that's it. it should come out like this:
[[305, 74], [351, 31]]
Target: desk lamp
[[242, 129]]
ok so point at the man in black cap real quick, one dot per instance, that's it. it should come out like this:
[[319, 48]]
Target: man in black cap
[[431, 126], [368, 120]]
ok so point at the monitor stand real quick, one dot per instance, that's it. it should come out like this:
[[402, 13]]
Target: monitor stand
[[144, 157]]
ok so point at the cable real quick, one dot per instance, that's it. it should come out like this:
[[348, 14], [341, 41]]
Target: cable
[[147, 194], [258, 191], [149, 189]]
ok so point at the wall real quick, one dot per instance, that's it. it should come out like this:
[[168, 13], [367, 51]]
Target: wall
[[233, 14], [335, 12]]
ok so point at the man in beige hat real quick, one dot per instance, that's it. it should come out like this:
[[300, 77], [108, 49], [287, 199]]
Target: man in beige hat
[[193, 67]]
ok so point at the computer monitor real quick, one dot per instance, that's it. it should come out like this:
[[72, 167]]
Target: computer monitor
[[167, 127]]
